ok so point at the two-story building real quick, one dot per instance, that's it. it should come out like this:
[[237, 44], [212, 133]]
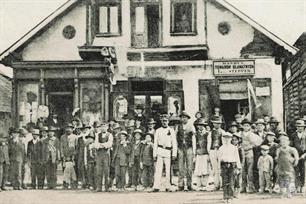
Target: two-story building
[[112, 57]]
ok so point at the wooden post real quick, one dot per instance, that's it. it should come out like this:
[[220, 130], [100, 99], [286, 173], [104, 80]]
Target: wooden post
[[106, 97], [102, 100], [15, 112], [42, 88], [76, 90]]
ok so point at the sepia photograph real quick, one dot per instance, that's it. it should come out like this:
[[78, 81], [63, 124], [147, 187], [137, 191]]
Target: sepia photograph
[[152, 101]]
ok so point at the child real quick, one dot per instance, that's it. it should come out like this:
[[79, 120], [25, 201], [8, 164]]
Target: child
[[135, 158], [236, 141], [265, 167], [203, 144], [286, 157], [229, 160], [120, 159], [89, 161], [147, 162]]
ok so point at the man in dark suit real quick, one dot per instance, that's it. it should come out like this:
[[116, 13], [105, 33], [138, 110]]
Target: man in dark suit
[[54, 122], [34, 157], [4, 158], [17, 155], [298, 141]]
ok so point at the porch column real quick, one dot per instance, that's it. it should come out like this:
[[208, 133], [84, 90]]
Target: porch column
[[15, 112], [102, 100], [42, 88], [106, 96], [76, 90]]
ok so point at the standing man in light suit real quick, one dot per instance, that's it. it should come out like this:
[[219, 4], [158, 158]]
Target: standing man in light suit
[[103, 144], [165, 148]]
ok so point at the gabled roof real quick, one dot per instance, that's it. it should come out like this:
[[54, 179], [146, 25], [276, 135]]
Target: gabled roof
[[42, 24], [257, 26], [46, 21]]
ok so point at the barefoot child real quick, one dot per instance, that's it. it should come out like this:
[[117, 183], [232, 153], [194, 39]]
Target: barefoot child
[[236, 141], [229, 160], [265, 168]]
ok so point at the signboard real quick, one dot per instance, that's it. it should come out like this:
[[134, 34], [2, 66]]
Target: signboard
[[234, 67]]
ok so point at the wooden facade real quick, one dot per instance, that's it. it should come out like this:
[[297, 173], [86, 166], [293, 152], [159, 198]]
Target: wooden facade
[[5, 103]]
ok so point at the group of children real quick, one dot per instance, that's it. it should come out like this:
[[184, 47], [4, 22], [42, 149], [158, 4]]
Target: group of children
[[246, 159]]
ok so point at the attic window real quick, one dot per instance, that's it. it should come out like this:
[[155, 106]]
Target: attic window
[[108, 16]]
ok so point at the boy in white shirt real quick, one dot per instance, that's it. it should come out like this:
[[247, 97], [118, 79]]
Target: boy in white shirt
[[228, 157]]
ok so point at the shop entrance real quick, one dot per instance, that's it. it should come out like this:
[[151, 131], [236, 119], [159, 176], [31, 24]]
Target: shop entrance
[[230, 108], [59, 98]]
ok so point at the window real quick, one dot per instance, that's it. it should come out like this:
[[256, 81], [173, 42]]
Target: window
[[109, 17], [183, 17]]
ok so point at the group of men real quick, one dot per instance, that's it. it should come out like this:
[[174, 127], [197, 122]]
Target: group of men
[[138, 150]]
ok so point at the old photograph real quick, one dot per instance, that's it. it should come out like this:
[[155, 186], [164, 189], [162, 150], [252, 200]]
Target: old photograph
[[152, 101]]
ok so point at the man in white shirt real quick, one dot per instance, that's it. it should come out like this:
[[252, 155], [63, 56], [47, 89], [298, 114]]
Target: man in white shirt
[[165, 148], [229, 161]]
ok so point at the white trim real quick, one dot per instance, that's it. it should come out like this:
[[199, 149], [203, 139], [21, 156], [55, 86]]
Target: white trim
[[257, 26], [37, 28]]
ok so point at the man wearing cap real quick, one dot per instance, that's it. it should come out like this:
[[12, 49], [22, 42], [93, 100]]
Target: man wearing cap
[[216, 142], [260, 128], [51, 156], [151, 124], [42, 165], [165, 147], [265, 165], [103, 143], [298, 141], [233, 127], [34, 157], [249, 142], [273, 123], [186, 146], [4, 158]]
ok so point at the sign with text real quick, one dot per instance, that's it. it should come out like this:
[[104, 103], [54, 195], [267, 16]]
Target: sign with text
[[234, 67]]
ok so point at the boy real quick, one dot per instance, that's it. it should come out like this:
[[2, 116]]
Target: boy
[[135, 158], [147, 162], [89, 161], [229, 161], [287, 158], [120, 160], [265, 167], [236, 141], [34, 157], [42, 165]]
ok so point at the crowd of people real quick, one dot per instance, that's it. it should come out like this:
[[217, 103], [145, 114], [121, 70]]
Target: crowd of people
[[136, 153]]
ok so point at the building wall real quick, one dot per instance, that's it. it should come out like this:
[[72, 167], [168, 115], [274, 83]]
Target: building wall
[[52, 45], [227, 46]]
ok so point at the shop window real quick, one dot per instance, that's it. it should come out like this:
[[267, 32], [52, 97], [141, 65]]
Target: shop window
[[183, 17], [108, 17], [120, 107], [28, 102]]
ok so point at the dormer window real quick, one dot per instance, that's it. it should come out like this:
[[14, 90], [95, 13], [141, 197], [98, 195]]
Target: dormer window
[[108, 18], [183, 17]]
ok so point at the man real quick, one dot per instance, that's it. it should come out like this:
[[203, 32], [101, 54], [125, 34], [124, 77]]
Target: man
[[51, 156], [273, 123], [165, 148], [42, 164], [267, 120], [298, 141], [249, 142], [260, 128], [186, 144], [116, 137], [238, 120], [233, 127], [103, 144], [34, 157], [216, 135], [4, 158], [151, 125], [68, 150], [54, 122]]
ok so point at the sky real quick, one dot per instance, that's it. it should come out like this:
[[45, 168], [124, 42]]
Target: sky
[[285, 18]]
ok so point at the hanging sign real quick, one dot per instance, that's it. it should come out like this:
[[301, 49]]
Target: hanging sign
[[234, 67]]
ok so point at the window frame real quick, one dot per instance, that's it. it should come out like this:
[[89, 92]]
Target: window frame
[[108, 4], [194, 20]]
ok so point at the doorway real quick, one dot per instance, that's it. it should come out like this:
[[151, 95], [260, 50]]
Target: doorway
[[146, 25], [229, 108]]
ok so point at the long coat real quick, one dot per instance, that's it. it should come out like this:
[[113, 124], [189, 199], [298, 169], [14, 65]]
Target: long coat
[[17, 151], [34, 152], [4, 151], [50, 149]]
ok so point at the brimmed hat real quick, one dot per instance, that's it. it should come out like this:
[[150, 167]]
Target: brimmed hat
[[151, 121], [300, 123], [116, 126], [86, 126], [273, 120], [264, 147], [52, 129], [124, 133], [216, 119], [90, 135], [184, 114], [35, 132], [227, 134], [283, 138], [44, 129], [270, 134], [233, 124], [201, 121], [69, 125], [237, 134], [246, 121], [260, 121], [283, 133], [164, 117], [238, 115], [137, 131]]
